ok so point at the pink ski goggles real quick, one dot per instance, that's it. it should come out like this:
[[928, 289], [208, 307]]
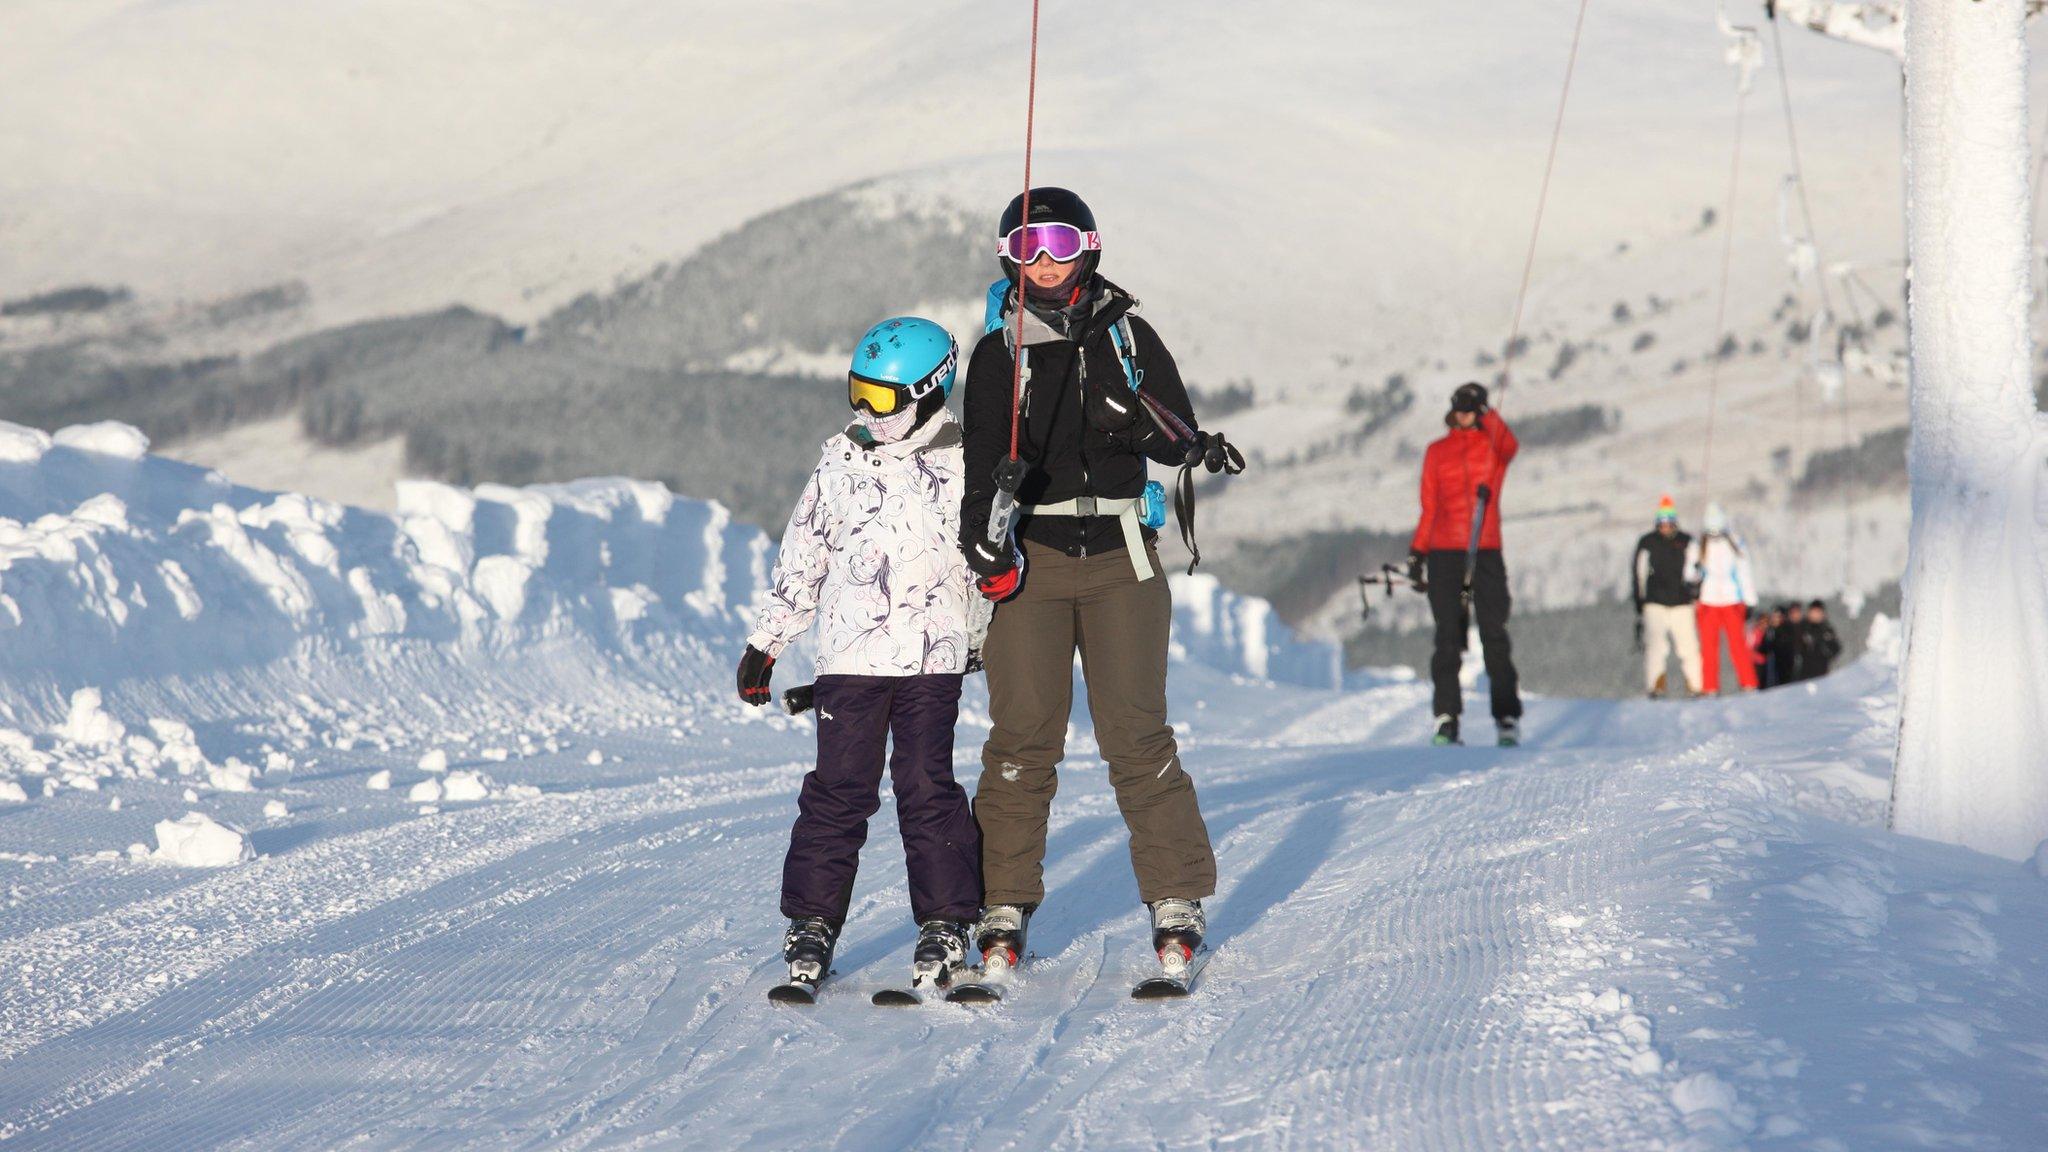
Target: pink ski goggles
[[1062, 242]]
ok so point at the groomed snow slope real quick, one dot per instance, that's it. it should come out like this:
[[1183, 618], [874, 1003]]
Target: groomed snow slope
[[1655, 926]]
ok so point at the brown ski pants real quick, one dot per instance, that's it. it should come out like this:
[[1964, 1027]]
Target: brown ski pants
[[1120, 626]]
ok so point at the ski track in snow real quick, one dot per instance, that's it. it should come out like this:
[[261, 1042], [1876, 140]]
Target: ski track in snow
[[1540, 949]]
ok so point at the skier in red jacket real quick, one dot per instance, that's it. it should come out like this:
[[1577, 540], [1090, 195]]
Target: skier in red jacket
[[1472, 459]]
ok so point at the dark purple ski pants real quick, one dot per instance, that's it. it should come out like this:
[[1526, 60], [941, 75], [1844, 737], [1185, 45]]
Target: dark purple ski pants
[[856, 717]]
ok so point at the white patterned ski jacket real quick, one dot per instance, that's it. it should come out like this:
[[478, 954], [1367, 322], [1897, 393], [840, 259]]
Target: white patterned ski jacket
[[873, 553]]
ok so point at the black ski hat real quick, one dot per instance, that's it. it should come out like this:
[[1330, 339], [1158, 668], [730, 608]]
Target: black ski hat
[[1050, 206], [1469, 398]]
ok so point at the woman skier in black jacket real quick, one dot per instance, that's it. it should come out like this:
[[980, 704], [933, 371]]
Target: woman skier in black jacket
[[1079, 572]]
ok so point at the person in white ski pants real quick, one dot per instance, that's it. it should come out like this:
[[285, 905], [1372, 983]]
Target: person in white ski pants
[[1665, 565], [1669, 631]]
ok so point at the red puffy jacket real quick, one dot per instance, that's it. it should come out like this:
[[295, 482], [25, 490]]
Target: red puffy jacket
[[1452, 472]]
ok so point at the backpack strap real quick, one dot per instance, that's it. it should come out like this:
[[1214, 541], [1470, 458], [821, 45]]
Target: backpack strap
[[1127, 352]]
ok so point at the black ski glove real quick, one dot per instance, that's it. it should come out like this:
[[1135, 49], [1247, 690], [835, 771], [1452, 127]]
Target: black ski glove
[[1212, 451], [1416, 570], [756, 669], [989, 559]]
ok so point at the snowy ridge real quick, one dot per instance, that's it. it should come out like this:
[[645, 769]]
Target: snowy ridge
[[115, 564], [118, 564]]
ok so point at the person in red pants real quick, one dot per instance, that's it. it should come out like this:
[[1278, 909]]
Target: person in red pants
[[1727, 593]]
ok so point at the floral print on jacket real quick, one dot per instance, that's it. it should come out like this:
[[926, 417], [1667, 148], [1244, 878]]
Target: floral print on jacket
[[872, 554]]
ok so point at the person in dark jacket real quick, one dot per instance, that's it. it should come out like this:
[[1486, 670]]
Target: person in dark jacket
[[1818, 644], [1784, 643], [1766, 648], [1472, 458], [1662, 577], [1081, 572]]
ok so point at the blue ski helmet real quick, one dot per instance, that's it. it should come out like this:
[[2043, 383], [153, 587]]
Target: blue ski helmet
[[910, 352]]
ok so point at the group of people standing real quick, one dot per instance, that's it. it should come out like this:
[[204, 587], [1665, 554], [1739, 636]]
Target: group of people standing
[[890, 551], [1793, 642], [1692, 595]]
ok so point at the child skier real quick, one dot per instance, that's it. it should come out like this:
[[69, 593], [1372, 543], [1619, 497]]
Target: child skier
[[871, 551]]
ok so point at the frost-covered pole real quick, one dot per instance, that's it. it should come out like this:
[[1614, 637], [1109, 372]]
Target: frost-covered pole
[[1973, 743]]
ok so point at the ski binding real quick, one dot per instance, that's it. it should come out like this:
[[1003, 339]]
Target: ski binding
[[1179, 965]]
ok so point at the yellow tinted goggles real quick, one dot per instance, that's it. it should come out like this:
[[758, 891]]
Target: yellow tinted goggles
[[880, 399]]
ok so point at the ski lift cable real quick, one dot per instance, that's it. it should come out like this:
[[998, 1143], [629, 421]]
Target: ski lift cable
[[1571, 66], [1721, 300], [1798, 167], [1826, 302], [1030, 127]]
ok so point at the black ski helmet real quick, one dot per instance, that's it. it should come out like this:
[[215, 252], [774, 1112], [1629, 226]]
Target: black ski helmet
[[1469, 398], [1049, 206]]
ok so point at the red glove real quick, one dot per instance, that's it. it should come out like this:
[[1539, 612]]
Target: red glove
[[1000, 588]]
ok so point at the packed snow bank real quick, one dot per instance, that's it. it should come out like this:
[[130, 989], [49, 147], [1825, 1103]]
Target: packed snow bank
[[196, 840], [1244, 636], [116, 565]]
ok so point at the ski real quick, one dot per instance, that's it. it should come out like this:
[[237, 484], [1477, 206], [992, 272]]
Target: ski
[[1176, 978], [795, 992], [987, 983], [928, 978], [921, 989]]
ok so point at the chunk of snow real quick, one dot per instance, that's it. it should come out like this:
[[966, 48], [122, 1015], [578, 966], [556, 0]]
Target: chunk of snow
[[467, 786], [11, 793], [196, 840], [435, 761], [1705, 1092], [594, 759], [275, 810], [233, 776], [424, 792], [501, 583], [107, 437], [88, 724], [19, 445], [379, 781]]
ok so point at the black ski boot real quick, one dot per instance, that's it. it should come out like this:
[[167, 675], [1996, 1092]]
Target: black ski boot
[[999, 935], [941, 953], [807, 947], [1446, 730]]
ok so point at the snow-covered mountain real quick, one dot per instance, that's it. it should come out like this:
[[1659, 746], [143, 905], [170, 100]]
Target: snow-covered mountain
[[320, 827], [648, 201]]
